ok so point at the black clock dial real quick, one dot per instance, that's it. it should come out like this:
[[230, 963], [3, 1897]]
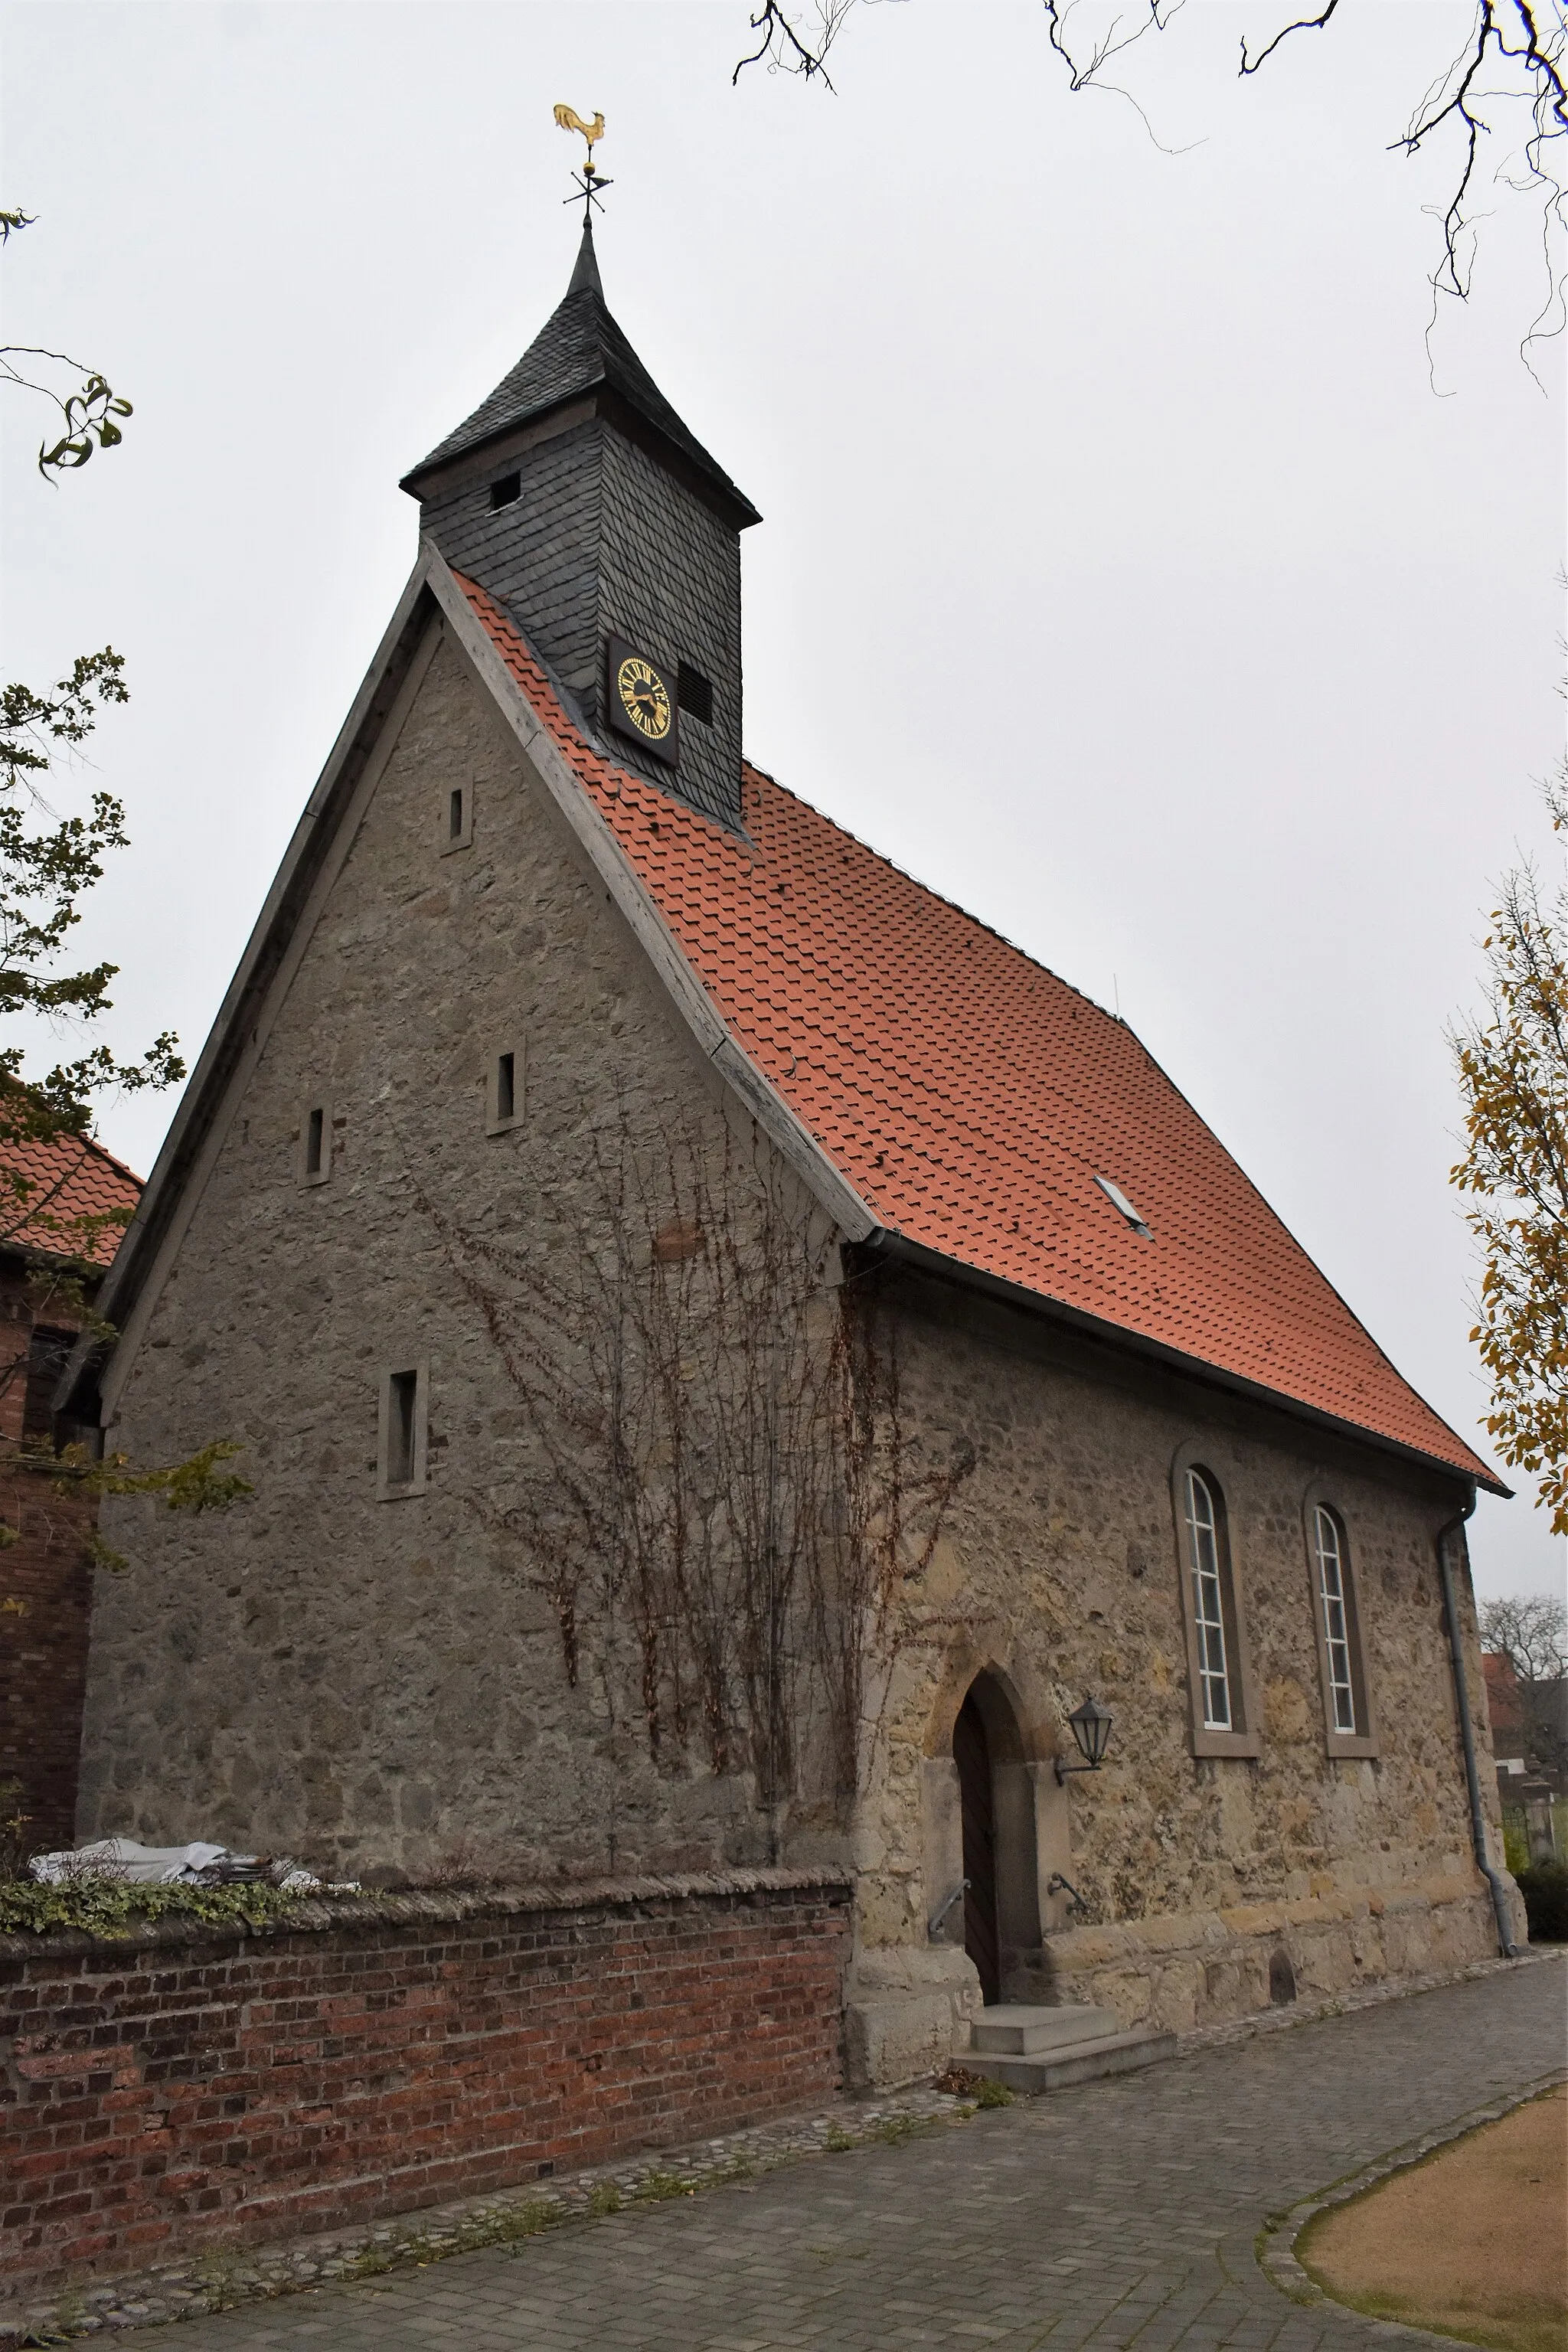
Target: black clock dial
[[642, 701]]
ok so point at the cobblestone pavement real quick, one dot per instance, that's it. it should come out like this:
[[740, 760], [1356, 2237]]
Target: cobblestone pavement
[[1122, 2214]]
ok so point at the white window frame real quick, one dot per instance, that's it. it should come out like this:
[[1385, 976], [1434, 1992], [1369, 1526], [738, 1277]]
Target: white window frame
[[1339, 1633], [1223, 1703], [1340, 1676], [1207, 1569]]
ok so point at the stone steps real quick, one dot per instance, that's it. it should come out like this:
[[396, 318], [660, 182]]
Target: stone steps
[[1036, 2050], [1012, 2030]]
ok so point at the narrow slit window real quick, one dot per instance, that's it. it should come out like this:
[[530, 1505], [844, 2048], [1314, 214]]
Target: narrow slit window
[[504, 1090], [400, 1429], [401, 1462], [1207, 1568], [314, 1143], [456, 817], [505, 492]]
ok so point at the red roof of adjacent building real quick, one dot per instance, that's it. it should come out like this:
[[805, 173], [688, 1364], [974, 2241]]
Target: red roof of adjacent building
[[69, 1177], [971, 1098]]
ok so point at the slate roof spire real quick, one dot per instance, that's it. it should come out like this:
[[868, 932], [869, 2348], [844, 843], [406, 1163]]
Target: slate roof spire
[[578, 498], [587, 274], [579, 353]]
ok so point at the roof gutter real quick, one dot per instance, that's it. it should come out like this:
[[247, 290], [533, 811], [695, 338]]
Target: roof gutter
[[895, 1249], [1489, 1871]]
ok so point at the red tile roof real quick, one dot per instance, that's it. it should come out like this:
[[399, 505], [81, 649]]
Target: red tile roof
[[67, 1178], [971, 1098]]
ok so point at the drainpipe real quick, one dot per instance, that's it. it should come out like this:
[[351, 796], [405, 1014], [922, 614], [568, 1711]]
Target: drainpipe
[[1467, 1732]]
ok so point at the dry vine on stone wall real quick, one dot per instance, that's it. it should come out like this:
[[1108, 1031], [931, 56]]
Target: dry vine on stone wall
[[716, 1491]]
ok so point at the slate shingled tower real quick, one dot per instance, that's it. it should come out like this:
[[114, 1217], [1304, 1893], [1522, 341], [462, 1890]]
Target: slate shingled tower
[[575, 495]]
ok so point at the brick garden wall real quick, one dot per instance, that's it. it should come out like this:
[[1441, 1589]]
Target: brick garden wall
[[199, 2085]]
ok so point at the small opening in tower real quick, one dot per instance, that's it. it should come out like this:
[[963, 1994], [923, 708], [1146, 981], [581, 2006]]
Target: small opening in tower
[[455, 815], [505, 1087], [507, 491], [402, 1395], [694, 693], [315, 1127]]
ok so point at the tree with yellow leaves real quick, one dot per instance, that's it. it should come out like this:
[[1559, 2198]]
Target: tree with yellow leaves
[[1513, 1077]]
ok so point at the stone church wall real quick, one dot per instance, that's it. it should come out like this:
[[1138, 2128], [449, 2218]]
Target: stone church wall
[[381, 1685], [378, 1685], [1059, 1573], [190, 2088]]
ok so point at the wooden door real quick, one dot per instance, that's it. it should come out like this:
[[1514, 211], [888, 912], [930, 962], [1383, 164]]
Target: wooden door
[[971, 1754]]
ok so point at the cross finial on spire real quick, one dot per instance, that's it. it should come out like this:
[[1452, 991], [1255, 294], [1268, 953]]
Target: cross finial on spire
[[588, 180]]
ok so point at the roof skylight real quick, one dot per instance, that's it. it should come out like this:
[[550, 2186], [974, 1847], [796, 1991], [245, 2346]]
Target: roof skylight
[[1119, 1200]]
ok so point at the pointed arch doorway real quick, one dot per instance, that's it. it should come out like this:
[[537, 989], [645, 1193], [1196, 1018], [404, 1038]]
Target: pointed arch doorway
[[971, 1754], [996, 1807]]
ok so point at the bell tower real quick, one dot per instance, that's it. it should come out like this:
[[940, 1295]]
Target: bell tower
[[579, 499]]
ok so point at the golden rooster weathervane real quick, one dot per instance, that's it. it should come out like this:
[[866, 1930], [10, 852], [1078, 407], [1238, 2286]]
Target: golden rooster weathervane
[[588, 179]]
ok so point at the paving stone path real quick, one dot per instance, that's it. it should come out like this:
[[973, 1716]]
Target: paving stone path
[[1122, 2214]]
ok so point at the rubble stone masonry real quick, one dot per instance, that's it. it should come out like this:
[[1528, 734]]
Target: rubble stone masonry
[[195, 2087], [369, 1684], [1057, 1573], [375, 1684]]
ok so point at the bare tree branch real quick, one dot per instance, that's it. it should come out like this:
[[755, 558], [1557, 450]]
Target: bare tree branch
[[1541, 55], [715, 1490], [1524, 41], [1302, 25], [782, 46]]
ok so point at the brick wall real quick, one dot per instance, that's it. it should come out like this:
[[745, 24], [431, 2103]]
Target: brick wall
[[45, 1589], [218, 2086]]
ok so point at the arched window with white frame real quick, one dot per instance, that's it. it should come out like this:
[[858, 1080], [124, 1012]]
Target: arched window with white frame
[[1207, 1574], [1341, 1665], [1336, 1626], [1218, 1676]]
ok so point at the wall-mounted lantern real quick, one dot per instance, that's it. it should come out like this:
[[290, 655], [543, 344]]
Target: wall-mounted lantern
[[1091, 1728]]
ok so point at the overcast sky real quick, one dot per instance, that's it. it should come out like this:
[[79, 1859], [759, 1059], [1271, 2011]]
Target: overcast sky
[[1132, 571]]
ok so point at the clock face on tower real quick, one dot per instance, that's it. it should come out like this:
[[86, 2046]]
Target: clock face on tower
[[642, 701]]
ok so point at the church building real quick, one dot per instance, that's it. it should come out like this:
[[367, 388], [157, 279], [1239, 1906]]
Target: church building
[[738, 1365]]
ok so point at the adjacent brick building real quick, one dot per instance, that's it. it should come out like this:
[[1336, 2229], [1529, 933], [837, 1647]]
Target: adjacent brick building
[[731, 1352], [64, 1205]]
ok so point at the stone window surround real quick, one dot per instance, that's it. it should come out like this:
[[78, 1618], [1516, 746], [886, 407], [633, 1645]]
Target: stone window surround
[[385, 1490], [321, 1107], [1363, 1739], [464, 836], [495, 1123], [1222, 1475]]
